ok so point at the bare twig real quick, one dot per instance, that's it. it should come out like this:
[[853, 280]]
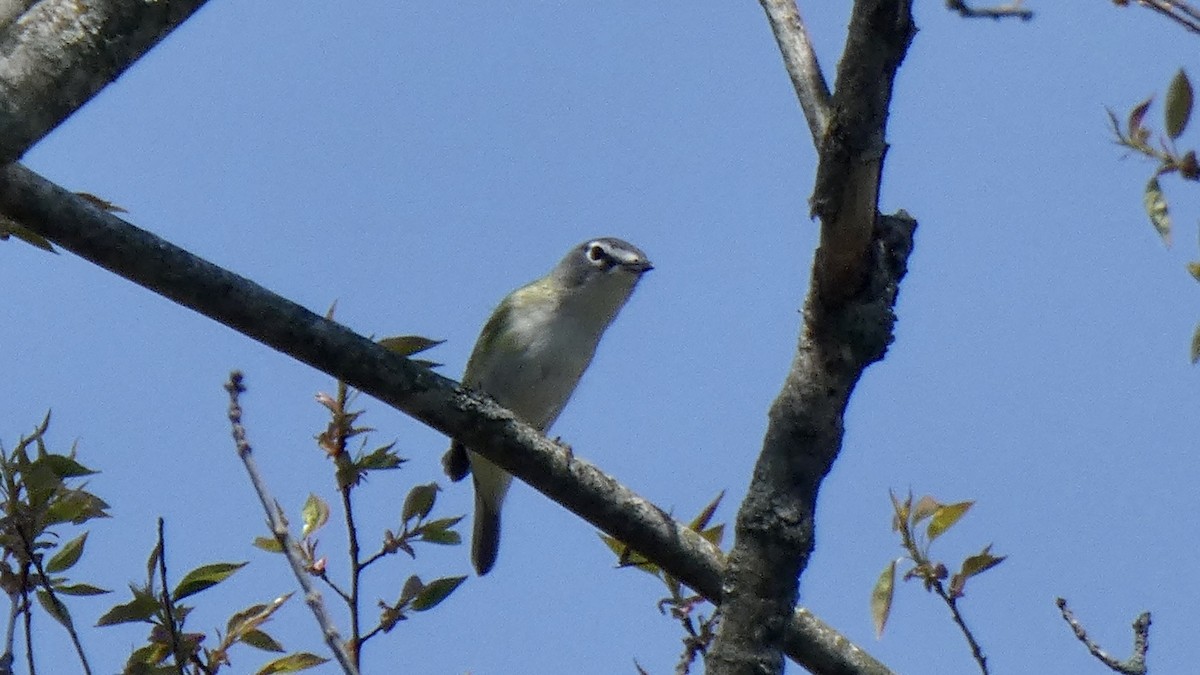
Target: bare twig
[[279, 527], [1013, 10], [801, 63], [168, 605], [1176, 10], [952, 603], [1135, 664], [45, 581]]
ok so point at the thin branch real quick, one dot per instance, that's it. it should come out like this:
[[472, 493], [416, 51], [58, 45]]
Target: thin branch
[[1008, 11], [1135, 664], [168, 606], [155, 264], [801, 63], [279, 528], [952, 603], [1180, 12], [10, 634], [355, 571], [27, 612], [45, 581]]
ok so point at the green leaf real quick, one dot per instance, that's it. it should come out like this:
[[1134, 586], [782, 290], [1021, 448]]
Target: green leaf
[[66, 467], [11, 227], [945, 517], [1179, 105], [68, 555], [714, 534], [926, 506], [315, 514], [412, 586], [881, 597], [260, 640], [434, 592], [701, 521], [54, 607], [1196, 345], [1193, 269], [1156, 208], [268, 544], [407, 345], [1135, 120], [152, 563], [79, 589], [980, 562], [419, 502], [141, 608], [443, 537], [627, 557], [76, 506], [292, 663], [379, 459], [204, 577], [900, 512]]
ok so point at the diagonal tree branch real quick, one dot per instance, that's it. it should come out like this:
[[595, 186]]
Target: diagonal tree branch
[[79, 226], [848, 321], [801, 63], [60, 53]]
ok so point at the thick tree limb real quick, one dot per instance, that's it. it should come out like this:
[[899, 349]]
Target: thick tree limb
[[851, 153], [60, 53], [79, 226], [848, 323], [11, 9]]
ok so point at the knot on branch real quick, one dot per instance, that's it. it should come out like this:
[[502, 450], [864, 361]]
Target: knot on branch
[[863, 325]]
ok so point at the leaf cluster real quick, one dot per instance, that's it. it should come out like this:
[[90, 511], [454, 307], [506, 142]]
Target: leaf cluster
[[917, 542], [42, 494], [682, 603], [1137, 137], [170, 649]]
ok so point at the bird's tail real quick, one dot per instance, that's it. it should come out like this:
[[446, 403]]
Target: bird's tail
[[485, 543]]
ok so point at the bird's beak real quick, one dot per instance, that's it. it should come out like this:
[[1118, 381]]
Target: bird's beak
[[639, 266]]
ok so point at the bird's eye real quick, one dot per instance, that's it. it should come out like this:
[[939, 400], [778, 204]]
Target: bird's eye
[[596, 253]]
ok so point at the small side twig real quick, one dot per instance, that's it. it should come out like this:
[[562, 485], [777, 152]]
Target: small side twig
[[312, 597], [168, 606], [952, 603], [37, 563], [1176, 10], [1012, 9], [1135, 664], [800, 60]]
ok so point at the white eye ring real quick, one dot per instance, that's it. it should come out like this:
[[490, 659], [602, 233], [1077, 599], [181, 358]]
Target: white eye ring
[[596, 254]]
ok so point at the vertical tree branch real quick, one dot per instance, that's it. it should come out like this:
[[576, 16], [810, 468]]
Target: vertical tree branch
[[848, 323]]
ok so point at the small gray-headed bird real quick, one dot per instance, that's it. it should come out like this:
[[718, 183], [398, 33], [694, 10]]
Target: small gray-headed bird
[[531, 354]]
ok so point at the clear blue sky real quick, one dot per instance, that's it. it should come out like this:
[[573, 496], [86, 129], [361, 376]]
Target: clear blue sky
[[415, 163]]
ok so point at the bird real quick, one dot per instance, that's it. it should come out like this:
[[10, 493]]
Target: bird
[[530, 356]]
